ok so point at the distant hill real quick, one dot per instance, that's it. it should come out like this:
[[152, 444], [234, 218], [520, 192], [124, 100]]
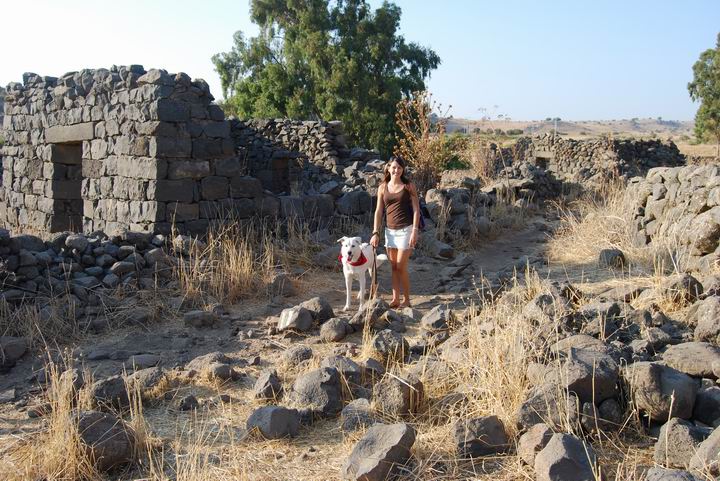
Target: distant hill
[[636, 127]]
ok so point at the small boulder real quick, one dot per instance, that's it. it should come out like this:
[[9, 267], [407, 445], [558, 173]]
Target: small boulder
[[111, 391], [78, 242], [546, 307], [681, 288], [391, 346], [396, 396], [677, 442], [379, 452], [546, 403], [297, 354], [274, 422], [199, 319], [707, 457], [591, 375], [334, 330], [218, 371], [147, 379], [656, 389], [437, 318], [481, 437], [346, 367], [296, 318], [319, 308], [533, 441], [107, 440], [697, 359], [369, 314], [565, 458], [707, 405], [281, 285], [662, 474], [611, 258], [268, 386], [188, 403], [319, 390], [11, 349], [142, 361], [708, 320], [201, 363]]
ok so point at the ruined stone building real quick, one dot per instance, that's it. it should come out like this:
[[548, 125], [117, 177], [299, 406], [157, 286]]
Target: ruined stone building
[[124, 148]]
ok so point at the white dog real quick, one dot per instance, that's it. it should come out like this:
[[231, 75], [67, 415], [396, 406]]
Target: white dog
[[356, 257]]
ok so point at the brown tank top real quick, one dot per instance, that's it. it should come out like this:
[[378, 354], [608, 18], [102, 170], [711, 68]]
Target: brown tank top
[[398, 208]]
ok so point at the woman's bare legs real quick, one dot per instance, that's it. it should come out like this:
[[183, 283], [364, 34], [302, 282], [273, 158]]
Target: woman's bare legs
[[393, 255], [403, 257]]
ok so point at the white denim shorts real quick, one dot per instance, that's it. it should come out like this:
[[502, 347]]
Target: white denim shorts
[[398, 238]]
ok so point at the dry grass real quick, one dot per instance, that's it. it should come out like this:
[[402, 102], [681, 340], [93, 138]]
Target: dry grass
[[55, 453], [237, 260], [234, 261], [600, 220], [39, 324]]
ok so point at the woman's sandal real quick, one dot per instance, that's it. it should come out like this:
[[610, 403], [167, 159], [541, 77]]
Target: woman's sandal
[[394, 305]]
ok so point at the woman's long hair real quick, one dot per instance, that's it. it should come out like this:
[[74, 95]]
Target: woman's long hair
[[401, 162]]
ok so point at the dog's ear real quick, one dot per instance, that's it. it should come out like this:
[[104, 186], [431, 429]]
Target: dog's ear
[[342, 239]]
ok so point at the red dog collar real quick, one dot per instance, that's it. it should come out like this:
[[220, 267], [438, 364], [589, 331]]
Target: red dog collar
[[362, 260]]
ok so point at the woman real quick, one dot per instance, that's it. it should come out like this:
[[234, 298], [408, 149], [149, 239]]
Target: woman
[[398, 198]]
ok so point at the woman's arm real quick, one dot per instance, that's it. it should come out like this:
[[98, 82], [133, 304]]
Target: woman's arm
[[416, 214], [377, 221]]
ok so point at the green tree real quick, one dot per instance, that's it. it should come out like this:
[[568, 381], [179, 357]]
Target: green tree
[[705, 88], [317, 59]]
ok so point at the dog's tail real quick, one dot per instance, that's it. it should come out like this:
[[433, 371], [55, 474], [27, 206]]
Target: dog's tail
[[381, 258]]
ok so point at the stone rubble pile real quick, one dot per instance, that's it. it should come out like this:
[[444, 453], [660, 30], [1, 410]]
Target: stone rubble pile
[[80, 268]]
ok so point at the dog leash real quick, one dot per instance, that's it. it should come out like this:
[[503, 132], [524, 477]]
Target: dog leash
[[373, 280]]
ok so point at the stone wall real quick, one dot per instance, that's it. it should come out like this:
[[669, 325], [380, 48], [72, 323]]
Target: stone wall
[[2, 107], [129, 149], [292, 156], [589, 160], [679, 207], [121, 148]]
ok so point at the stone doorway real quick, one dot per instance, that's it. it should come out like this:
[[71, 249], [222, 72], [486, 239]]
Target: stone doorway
[[65, 182]]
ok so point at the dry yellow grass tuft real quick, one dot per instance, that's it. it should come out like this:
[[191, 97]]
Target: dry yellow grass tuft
[[55, 453]]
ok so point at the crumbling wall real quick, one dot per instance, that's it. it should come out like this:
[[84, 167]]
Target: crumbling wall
[[121, 148], [680, 208], [2, 107], [293, 156], [588, 160]]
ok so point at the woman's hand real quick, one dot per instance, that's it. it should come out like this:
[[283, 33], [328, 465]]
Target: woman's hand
[[375, 240], [413, 237]]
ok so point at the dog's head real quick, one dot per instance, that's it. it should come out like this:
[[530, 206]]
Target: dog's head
[[350, 248]]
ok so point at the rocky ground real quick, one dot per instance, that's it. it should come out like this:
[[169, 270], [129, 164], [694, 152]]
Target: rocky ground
[[596, 372]]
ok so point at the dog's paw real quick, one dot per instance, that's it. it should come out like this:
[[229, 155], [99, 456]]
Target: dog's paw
[[346, 308]]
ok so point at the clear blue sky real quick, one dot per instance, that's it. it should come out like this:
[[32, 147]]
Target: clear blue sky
[[569, 59]]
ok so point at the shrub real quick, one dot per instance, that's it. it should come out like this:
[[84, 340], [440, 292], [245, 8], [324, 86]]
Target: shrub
[[422, 141]]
